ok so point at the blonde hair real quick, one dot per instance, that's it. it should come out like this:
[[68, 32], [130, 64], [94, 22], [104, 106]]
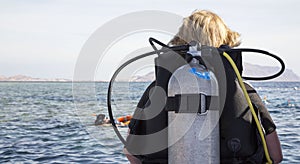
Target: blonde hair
[[208, 29]]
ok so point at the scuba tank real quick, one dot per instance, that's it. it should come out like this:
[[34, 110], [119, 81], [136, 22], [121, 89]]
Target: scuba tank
[[194, 123]]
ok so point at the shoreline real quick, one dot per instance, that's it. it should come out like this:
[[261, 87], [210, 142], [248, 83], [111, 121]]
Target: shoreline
[[14, 81]]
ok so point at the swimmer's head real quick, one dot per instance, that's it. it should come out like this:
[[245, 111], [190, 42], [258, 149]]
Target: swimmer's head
[[100, 119]]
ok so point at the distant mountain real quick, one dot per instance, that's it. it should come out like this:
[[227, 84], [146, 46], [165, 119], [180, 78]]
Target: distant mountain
[[28, 78], [144, 78], [258, 70], [249, 70]]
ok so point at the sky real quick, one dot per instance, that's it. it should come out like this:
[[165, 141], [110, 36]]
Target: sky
[[44, 38]]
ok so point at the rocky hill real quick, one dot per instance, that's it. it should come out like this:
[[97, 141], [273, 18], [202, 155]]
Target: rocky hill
[[143, 78], [28, 78], [258, 70], [249, 70]]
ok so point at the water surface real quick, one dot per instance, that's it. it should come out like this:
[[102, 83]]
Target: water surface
[[48, 123]]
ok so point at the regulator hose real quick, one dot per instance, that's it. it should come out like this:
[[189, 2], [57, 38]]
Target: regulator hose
[[265, 53], [261, 133], [112, 80]]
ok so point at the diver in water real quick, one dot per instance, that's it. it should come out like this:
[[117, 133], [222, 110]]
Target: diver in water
[[101, 120], [121, 121], [235, 129]]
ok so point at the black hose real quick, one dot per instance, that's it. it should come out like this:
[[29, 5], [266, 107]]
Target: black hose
[[112, 80], [151, 40], [265, 53], [110, 113]]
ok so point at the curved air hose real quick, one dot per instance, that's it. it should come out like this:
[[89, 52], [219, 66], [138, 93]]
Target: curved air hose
[[250, 105], [112, 80], [265, 53]]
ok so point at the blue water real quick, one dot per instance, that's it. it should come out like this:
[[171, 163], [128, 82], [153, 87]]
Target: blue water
[[53, 122]]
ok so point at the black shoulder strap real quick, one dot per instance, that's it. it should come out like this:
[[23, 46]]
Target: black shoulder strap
[[189, 103]]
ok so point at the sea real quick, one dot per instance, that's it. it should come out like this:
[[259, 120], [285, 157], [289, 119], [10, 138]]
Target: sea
[[53, 122]]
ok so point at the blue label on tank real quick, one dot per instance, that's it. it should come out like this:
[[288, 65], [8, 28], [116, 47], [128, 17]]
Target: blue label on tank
[[203, 75]]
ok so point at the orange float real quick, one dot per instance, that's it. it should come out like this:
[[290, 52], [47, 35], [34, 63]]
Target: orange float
[[124, 118]]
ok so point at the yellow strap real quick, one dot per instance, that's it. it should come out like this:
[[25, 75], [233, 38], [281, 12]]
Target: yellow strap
[[250, 106]]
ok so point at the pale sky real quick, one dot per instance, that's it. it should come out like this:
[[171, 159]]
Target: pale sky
[[44, 38]]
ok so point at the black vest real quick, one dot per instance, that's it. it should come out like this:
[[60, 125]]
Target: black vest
[[238, 134]]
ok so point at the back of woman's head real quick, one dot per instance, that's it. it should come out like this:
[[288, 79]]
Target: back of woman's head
[[207, 28]]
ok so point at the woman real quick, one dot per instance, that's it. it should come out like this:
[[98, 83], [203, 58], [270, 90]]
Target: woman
[[209, 29]]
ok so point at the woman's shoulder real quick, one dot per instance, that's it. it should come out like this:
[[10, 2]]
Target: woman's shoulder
[[249, 87]]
